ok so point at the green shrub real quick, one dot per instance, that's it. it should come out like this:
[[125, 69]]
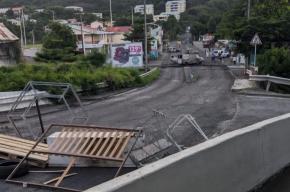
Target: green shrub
[[275, 62], [82, 75], [95, 59]]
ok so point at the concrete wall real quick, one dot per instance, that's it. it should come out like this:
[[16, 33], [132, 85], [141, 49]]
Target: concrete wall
[[234, 162]]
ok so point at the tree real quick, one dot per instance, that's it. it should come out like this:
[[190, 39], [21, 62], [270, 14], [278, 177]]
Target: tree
[[275, 62], [88, 18], [58, 44], [171, 28], [270, 18], [211, 25], [123, 21], [10, 14]]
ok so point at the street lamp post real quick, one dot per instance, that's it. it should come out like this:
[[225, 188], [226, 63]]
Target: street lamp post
[[145, 39]]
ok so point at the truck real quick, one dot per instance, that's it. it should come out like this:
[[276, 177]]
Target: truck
[[187, 58]]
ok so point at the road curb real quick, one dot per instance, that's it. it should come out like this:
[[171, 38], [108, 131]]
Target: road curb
[[86, 103], [262, 94]]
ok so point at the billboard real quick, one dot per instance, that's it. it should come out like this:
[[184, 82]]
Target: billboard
[[127, 55]]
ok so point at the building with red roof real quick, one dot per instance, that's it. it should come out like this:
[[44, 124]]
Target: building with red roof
[[119, 32]]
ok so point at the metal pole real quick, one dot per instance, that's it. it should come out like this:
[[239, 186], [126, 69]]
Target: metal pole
[[111, 14], [132, 16], [145, 32], [23, 22], [255, 56], [249, 9], [39, 115], [110, 39], [83, 36], [33, 37], [53, 16], [21, 33]]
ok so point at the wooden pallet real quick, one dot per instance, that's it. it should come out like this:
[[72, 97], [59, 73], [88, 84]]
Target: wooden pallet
[[77, 141], [89, 143], [13, 148]]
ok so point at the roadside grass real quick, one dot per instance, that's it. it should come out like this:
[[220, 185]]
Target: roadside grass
[[85, 77], [151, 77], [29, 46]]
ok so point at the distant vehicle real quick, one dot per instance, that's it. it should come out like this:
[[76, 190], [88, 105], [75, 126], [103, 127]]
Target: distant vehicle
[[208, 40], [186, 58], [172, 49], [226, 54], [221, 53]]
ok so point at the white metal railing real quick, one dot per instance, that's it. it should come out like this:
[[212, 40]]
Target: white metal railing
[[270, 79], [148, 73]]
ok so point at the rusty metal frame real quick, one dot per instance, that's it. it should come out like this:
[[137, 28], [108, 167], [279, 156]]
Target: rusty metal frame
[[134, 133]]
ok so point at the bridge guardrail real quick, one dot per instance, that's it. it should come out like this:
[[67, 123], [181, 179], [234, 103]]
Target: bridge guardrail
[[270, 79], [148, 73]]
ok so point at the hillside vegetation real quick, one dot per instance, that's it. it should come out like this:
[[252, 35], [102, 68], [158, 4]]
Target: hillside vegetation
[[119, 6]]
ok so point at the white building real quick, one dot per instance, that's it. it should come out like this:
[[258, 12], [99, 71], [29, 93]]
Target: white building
[[93, 38], [99, 15], [140, 9], [75, 8], [178, 6], [164, 16], [3, 10], [14, 21], [61, 21], [39, 10], [97, 25]]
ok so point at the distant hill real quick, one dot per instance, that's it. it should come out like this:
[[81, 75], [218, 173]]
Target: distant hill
[[119, 6]]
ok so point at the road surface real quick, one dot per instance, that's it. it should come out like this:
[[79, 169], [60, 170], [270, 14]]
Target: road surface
[[209, 99]]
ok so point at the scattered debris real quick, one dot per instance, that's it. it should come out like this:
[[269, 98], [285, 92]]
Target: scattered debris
[[177, 122], [13, 148], [77, 141], [241, 84], [38, 91]]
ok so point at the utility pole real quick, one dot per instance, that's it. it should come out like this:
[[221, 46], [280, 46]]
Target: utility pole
[[53, 17], [111, 14], [23, 23], [132, 16], [33, 37], [21, 32], [249, 9], [83, 36], [110, 39], [145, 39]]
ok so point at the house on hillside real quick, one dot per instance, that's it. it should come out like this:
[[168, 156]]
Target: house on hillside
[[75, 8], [10, 51], [165, 15], [118, 33], [99, 15], [94, 38], [97, 25], [3, 10], [140, 9], [178, 6]]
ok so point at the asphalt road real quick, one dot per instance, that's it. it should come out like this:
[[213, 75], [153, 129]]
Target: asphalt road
[[208, 99]]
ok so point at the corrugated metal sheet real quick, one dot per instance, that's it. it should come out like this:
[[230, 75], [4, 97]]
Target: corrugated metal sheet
[[6, 34]]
